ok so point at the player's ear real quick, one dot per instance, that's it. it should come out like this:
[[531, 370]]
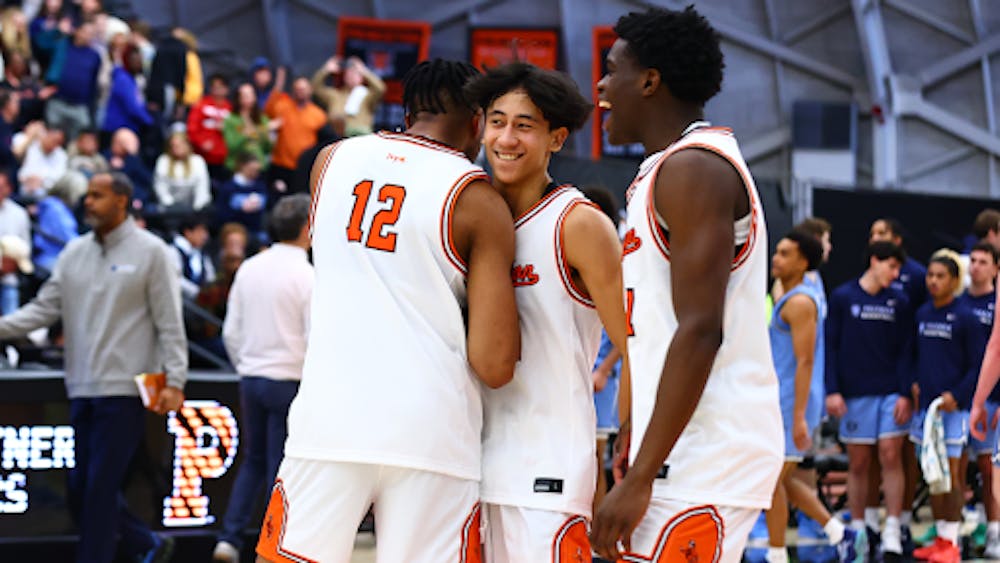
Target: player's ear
[[651, 81], [557, 137]]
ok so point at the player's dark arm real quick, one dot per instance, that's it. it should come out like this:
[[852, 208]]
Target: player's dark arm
[[483, 231], [699, 195]]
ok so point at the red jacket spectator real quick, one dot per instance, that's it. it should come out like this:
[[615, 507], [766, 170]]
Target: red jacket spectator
[[204, 125]]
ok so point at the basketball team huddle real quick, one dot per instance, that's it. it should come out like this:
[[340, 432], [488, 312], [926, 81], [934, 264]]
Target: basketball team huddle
[[456, 318]]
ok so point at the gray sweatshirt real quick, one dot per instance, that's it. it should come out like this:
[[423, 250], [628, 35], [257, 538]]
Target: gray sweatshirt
[[120, 305]]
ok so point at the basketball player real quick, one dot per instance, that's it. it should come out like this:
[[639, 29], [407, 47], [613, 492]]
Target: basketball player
[[796, 339], [405, 233], [539, 431], [980, 298], [947, 344], [695, 272], [979, 421], [912, 273], [867, 329]]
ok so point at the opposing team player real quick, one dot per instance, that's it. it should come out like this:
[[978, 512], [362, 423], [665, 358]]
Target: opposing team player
[[947, 344], [980, 297], [695, 272], [405, 233], [866, 334], [796, 340], [539, 430]]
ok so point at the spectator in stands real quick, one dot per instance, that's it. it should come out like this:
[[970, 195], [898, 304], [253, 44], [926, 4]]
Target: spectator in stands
[[14, 35], [9, 108], [84, 157], [74, 72], [303, 167], [262, 79], [32, 96], [300, 121], [214, 296], [165, 90], [194, 81], [57, 223], [247, 129], [265, 332], [204, 126], [47, 30], [912, 274], [243, 197], [195, 268], [141, 34], [126, 106], [352, 100], [119, 304], [123, 157], [14, 221], [181, 177], [43, 159], [234, 236]]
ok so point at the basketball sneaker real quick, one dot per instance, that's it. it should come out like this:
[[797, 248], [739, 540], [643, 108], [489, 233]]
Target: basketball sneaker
[[941, 551], [853, 548]]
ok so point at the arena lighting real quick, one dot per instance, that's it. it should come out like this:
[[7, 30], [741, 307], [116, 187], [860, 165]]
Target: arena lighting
[[205, 443]]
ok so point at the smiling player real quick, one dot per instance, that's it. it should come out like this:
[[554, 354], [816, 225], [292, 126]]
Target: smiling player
[[539, 430]]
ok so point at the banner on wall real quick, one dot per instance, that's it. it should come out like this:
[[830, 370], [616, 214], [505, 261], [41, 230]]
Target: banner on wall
[[493, 46], [603, 38], [390, 49]]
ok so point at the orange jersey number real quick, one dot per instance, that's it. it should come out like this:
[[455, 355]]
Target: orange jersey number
[[378, 237]]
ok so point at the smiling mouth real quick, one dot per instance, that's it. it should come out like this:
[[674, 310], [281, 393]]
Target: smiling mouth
[[604, 104], [507, 156]]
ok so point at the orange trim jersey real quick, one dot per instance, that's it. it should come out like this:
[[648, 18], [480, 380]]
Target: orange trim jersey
[[386, 378], [539, 429], [731, 451]]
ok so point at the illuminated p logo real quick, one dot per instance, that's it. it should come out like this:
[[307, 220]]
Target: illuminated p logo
[[205, 441]]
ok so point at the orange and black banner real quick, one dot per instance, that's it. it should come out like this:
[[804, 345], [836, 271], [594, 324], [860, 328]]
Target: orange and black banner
[[603, 38], [390, 48], [493, 46]]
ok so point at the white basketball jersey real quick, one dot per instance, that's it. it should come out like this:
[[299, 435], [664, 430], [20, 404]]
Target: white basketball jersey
[[731, 451], [386, 378], [539, 429]]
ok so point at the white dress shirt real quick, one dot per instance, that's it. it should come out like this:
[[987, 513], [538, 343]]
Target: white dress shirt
[[267, 319]]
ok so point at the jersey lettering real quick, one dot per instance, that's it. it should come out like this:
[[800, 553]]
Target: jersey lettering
[[524, 275], [378, 237]]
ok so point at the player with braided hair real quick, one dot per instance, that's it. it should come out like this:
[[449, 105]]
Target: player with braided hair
[[413, 308], [695, 269]]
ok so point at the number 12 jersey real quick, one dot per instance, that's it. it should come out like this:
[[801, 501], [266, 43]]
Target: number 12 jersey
[[386, 378]]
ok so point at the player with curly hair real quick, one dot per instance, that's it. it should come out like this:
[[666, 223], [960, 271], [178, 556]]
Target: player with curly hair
[[704, 404]]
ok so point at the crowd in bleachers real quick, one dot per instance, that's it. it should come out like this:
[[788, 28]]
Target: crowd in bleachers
[[86, 92]]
